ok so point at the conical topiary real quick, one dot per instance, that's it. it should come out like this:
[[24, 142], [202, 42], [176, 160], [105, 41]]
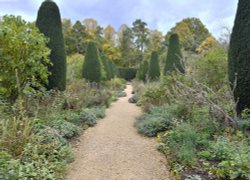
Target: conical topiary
[[49, 23], [92, 65], [142, 73], [107, 67], [174, 56], [154, 68], [239, 56]]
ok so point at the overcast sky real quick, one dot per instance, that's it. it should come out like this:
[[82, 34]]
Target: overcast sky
[[159, 14]]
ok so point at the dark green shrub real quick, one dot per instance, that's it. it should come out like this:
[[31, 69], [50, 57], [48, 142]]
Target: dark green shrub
[[108, 67], [49, 23], [142, 73], [174, 60], [127, 73], [92, 66], [154, 68], [239, 56]]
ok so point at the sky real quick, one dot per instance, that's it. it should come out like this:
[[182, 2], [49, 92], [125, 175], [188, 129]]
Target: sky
[[158, 14]]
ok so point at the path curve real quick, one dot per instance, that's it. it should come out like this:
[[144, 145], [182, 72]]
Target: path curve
[[113, 150]]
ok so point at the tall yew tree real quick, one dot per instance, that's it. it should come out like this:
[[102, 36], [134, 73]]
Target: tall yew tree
[[154, 69], [174, 56], [239, 56], [92, 65], [49, 23]]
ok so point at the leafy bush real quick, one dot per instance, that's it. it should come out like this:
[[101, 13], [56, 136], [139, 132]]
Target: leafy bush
[[38, 161], [116, 84], [211, 68], [99, 112], [154, 94], [158, 120], [49, 135], [17, 35], [182, 143], [66, 129], [74, 67], [234, 157], [88, 117]]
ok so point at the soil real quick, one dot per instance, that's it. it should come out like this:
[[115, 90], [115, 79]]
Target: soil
[[113, 149]]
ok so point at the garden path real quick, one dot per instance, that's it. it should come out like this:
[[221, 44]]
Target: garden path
[[113, 150]]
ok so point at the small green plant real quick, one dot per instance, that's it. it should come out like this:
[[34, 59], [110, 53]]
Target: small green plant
[[182, 143], [88, 117], [158, 120], [99, 112], [15, 133], [66, 129], [121, 94], [234, 158]]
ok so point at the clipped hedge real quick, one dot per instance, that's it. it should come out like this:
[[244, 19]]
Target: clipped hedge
[[127, 73]]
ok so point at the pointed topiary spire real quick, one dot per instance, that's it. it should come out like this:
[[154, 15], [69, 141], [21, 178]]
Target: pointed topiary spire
[[154, 69], [239, 56], [49, 23], [92, 65], [142, 73], [174, 56]]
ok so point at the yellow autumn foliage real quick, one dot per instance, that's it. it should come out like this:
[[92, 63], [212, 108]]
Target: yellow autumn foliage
[[209, 43]]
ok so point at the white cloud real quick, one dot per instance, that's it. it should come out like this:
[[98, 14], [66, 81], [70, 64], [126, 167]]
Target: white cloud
[[160, 14]]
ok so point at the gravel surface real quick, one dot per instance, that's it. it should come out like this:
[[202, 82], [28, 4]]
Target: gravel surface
[[113, 150]]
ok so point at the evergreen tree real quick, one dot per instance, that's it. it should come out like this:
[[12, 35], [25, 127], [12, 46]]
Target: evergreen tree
[[142, 73], [107, 67], [49, 23], [174, 56], [92, 65], [154, 69], [239, 56]]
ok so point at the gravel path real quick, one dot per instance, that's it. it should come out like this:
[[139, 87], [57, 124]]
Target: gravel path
[[113, 150]]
